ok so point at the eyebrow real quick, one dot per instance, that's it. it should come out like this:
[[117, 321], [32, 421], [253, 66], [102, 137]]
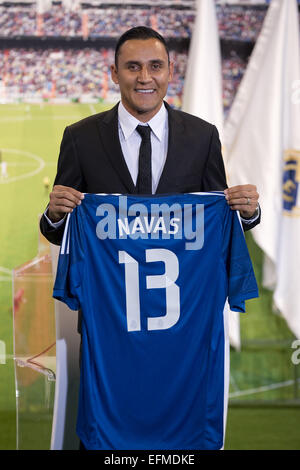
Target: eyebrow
[[152, 61]]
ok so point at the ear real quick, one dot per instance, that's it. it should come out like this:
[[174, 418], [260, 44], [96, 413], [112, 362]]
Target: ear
[[114, 74], [171, 71]]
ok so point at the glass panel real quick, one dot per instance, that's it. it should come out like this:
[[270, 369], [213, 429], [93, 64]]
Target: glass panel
[[34, 350]]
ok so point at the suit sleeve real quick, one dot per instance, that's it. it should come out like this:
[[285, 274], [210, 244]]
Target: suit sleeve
[[68, 174], [214, 178]]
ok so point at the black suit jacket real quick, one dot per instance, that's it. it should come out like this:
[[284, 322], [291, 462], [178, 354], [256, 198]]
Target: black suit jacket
[[91, 159]]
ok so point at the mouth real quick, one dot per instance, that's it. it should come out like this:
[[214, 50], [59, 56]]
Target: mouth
[[143, 91]]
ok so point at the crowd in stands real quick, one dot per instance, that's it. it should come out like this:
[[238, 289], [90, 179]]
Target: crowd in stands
[[59, 22], [17, 21], [235, 22], [85, 73], [239, 23], [78, 73], [112, 22], [53, 73], [233, 69], [71, 73]]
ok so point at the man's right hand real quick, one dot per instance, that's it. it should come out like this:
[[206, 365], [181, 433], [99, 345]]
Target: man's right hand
[[62, 201]]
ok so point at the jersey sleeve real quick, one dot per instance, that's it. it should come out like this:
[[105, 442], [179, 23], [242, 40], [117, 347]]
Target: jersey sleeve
[[70, 264], [241, 278]]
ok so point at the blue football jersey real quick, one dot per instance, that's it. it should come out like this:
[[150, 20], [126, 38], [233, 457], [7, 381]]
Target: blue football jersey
[[151, 276]]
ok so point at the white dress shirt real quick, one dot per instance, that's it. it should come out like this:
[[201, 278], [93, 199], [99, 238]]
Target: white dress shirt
[[130, 141]]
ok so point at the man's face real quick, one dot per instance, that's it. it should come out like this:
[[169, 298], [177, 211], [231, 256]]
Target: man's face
[[143, 74]]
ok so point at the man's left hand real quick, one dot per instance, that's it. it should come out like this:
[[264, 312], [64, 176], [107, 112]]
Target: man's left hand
[[243, 198]]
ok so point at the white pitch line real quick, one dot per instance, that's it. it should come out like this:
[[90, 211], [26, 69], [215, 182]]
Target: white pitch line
[[7, 274], [4, 357], [265, 388], [21, 163], [233, 382], [39, 168], [92, 108], [5, 270], [39, 118], [28, 164]]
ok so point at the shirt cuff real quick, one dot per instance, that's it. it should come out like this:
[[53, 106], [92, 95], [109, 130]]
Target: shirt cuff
[[53, 224], [253, 219]]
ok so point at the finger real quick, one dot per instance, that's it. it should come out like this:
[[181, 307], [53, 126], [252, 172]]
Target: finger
[[59, 189], [243, 201], [60, 211], [242, 195], [241, 188], [245, 197], [58, 203], [59, 195], [64, 197]]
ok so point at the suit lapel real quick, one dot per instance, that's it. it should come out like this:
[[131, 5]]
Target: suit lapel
[[176, 149], [109, 133]]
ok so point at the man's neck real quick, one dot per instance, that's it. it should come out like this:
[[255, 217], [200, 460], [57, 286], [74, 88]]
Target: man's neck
[[143, 117]]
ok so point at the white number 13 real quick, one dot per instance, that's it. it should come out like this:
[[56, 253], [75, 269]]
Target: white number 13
[[166, 281]]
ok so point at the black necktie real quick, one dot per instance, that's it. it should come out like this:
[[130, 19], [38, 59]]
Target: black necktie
[[144, 179]]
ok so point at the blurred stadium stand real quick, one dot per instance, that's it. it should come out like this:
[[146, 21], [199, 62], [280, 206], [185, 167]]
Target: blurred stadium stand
[[51, 39]]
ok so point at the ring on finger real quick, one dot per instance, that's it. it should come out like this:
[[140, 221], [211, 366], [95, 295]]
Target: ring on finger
[[248, 201]]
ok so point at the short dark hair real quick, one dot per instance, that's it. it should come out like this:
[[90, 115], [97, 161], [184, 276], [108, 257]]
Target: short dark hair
[[139, 32]]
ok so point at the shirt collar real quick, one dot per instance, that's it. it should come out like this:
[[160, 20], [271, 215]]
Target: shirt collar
[[128, 122]]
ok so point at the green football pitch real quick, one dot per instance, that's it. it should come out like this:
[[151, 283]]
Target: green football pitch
[[30, 136]]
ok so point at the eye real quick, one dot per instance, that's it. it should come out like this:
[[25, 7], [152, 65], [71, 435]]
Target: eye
[[133, 67], [156, 66]]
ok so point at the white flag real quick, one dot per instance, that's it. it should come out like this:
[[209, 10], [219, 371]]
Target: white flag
[[262, 140], [202, 95]]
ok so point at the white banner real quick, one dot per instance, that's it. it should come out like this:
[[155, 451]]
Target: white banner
[[262, 140]]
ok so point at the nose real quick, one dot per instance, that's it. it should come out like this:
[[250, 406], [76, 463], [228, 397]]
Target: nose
[[144, 75]]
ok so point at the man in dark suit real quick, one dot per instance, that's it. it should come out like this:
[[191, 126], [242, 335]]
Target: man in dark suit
[[100, 154]]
